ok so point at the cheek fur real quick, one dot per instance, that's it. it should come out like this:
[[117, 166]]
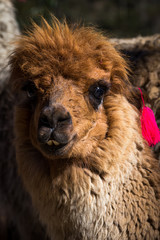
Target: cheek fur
[[90, 132], [22, 120], [34, 126]]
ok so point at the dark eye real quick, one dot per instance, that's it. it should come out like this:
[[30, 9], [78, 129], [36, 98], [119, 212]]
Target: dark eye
[[99, 92], [30, 89]]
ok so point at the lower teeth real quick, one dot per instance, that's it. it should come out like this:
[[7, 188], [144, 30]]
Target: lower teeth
[[56, 143], [52, 142]]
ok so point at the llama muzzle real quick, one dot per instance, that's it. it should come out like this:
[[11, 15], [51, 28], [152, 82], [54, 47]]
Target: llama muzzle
[[55, 128]]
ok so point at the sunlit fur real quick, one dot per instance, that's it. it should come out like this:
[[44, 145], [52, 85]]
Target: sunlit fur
[[106, 186]]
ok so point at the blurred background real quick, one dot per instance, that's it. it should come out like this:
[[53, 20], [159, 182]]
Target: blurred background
[[120, 18]]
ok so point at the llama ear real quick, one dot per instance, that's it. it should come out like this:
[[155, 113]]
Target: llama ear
[[121, 85], [16, 79], [133, 95], [15, 84]]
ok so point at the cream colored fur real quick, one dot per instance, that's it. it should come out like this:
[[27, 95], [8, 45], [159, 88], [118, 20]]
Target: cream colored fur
[[107, 185]]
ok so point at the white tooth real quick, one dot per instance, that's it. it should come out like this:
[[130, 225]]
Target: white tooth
[[50, 142], [55, 143]]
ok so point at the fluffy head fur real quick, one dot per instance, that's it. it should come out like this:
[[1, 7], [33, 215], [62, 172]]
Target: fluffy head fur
[[103, 183]]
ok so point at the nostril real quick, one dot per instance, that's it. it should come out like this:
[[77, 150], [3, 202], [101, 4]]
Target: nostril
[[44, 121], [54, 117], [65, 118], [62, 119]]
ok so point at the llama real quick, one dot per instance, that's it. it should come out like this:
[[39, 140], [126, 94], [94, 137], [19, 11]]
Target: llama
[[79, 146]]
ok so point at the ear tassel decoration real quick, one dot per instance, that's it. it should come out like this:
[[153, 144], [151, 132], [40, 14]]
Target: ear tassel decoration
[[150, 130]]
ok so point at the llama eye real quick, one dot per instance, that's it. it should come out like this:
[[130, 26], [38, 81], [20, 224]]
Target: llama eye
[[99, 92], [30, 89]]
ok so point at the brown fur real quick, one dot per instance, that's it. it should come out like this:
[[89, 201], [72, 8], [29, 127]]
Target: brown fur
[[107, 185]]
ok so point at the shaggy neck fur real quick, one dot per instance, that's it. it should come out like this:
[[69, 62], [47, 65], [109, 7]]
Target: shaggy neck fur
[[103, 198], [107, 185]]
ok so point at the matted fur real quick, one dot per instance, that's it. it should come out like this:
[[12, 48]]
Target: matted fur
[[107, 185]]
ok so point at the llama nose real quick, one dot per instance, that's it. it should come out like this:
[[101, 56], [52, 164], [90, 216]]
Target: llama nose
[[54, 116]]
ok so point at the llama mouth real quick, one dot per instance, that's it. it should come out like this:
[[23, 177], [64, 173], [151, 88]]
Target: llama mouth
[[53, 147], [53, 142]]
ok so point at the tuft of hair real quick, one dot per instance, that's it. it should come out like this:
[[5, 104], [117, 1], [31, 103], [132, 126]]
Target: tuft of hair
[[69, 51]]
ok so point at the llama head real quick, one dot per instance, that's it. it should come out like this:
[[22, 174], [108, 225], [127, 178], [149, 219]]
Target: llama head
[[64, 79]]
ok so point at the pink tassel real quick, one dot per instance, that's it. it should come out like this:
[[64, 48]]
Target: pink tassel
[[150, 130]]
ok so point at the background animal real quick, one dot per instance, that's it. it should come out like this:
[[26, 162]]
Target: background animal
[[79, 146], [18, 220]]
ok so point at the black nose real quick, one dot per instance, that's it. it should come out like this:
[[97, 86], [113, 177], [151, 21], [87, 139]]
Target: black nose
[[54, 116]]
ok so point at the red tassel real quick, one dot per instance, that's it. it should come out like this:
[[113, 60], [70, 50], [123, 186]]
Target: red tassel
[[150, 130]]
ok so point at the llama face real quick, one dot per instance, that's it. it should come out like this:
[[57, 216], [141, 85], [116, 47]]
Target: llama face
[[66, 114], [63, 78]]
